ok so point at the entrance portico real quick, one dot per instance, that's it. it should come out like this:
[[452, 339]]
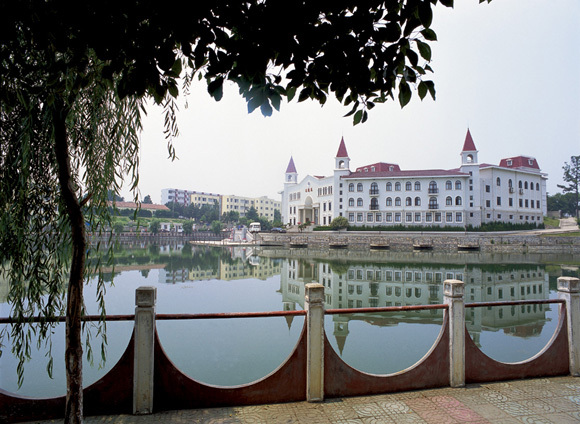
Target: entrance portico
[[309, 212]]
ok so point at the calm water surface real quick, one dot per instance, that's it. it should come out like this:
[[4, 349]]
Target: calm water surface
[[238, 351]]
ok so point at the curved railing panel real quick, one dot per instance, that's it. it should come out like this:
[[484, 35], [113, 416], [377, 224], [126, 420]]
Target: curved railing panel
[[112, 394], [340, 379], [551, 361], [175, 390]]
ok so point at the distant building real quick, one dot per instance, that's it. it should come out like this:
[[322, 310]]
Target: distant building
[[384, 194], [144, 206], [264, 206]]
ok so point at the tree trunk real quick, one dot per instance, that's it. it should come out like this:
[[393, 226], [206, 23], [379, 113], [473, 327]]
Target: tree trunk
[[74, 348]]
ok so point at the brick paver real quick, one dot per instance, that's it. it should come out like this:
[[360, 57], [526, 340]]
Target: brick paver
[[546, 400]]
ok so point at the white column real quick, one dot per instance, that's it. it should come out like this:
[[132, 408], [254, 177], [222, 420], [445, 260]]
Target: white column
[[569, 290], [145, 298], [453, 297], [315, 342]]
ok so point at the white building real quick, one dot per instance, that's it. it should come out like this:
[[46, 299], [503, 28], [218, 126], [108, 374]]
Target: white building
[[383, 194]]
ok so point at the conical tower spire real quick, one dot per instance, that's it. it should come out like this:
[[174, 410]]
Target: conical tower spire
[[469, 145], [291, 168]]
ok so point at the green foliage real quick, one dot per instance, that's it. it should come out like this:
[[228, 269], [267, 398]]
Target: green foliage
[[572, 178], [118, 228], [147, 200], [252, 214], [216, 227], [188, 227], [339, 223], [154, 226]]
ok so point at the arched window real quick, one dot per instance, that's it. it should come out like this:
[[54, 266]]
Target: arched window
[[417, 186], [408, 202], [498, 182], [374, 188], [374, 204], [351, 202], [526, 185], [417, 201], [433, 203], [397, 186], [537, 187], [433, 187], [359, 202], [510, 183], [351, 187], [408, 186], [457, 185], [389, 201], [389, 186], [448, 185], [531, 185], [359, 187], [458, 201], [448, 201], [397, 201]]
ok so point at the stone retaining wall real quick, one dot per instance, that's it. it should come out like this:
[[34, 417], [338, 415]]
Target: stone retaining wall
[[448, 241]]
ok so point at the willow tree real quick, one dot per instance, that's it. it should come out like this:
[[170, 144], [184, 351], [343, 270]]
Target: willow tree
[[73, 79]]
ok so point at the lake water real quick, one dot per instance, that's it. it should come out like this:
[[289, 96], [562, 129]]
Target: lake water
[[238, 351]]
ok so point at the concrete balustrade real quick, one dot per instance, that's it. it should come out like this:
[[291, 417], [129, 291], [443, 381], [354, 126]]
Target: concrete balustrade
[[569, 291], [145, 298]]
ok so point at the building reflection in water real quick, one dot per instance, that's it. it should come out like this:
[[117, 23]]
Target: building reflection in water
[[377, 285]]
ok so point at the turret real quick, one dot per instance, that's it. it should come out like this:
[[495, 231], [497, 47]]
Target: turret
[[291, 174]]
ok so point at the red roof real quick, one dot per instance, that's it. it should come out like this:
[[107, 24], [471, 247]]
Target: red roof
[[408, 174], [379, 167], [342, 153], [291, 168], [519, 162], [469, 145]]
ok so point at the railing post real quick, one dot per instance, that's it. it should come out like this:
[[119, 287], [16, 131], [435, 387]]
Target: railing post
[[315, 342], [569, 290], [145, 298], [454, 293]]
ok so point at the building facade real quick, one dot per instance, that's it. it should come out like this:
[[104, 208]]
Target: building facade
[[384, 194]]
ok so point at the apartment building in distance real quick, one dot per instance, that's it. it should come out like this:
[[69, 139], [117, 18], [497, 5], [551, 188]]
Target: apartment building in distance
[[264, 206], [384, 194]]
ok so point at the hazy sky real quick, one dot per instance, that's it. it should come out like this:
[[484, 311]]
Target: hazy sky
[[509, 71]]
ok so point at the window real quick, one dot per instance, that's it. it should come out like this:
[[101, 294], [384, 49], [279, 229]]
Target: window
[[389, 217], [389, 201], [408, 202], [526, 185], [409, 217], [417, 216], [428, 217], [520, 185], [351, 202], [448, 201], [417, 186], [433, 203], [538, 204], [374, 204], [521, 203], [351, 217], [458, 217], [374, 188], [370, 217], [511, 201], [449, 217], [457, 185], [448, 185], [359, 217], [408, 186], [417, 201], [397, 201], [437, 216], [498, 182], [359, 201], [378, 217], [498, 201], [359, 187], [458, 201], [487, 189], [398, 217], [488, 203], [397, 186], [433, 187], [537, 187], [351, 187], [389, 186]]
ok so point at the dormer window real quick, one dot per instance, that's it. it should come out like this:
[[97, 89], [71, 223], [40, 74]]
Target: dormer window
[[531, 162], [372, 169], [391, 168], [509, 162], [366, 170]]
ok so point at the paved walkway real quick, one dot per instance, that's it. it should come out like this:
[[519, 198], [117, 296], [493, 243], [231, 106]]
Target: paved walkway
[[546, 400]]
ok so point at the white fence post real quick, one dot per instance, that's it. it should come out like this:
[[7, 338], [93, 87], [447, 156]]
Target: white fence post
[[315, 342], [145, 298], [454, 293], [569, 290]]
